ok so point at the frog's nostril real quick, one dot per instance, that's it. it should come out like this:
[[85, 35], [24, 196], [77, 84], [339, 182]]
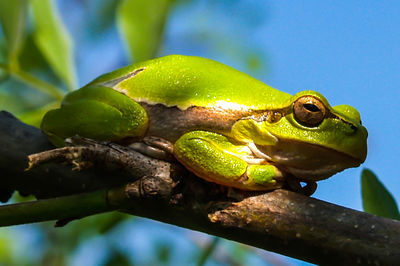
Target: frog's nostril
[[353, 127]]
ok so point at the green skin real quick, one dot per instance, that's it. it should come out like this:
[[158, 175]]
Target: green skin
[[225, 126]]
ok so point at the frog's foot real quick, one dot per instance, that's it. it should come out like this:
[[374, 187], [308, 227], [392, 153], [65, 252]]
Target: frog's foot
[[295, 185], [154, 147], [214, 158]]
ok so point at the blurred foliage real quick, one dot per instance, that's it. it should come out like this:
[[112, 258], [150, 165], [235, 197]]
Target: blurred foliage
[[143, 39], [117, 258], [40, 43], [13, 15], [207, 252], [376, 198], [53, 40]]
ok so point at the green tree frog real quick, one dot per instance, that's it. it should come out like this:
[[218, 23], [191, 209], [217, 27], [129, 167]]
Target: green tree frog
[[223, 125]]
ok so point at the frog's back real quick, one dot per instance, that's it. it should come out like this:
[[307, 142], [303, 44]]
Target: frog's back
[[185, 81]]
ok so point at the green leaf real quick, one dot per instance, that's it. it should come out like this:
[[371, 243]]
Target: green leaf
[[53, 40], [376, 198], [141, 23], [13, 16]]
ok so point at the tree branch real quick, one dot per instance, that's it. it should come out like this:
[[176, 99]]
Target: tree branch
[[280, 221]]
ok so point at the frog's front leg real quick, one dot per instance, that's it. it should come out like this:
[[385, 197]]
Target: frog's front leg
[[213, 157]]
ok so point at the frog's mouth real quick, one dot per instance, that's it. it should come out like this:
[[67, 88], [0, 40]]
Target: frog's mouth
[[307, 162]]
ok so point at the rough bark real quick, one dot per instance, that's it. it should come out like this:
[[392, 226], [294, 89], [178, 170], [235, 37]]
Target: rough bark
[[280, 221]]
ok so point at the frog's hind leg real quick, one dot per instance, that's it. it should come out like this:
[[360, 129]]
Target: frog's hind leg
[[213, 157], [98, 113]]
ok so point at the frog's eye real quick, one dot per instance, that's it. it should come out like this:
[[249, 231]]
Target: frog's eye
[[309, 111]]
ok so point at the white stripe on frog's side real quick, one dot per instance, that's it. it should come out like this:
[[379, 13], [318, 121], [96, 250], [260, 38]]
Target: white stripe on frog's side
[[115, 82]]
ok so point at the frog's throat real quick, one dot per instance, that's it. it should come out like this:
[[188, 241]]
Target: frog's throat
[[305, 161]]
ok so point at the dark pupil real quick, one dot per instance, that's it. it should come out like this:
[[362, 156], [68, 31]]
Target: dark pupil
[[311, 107]]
